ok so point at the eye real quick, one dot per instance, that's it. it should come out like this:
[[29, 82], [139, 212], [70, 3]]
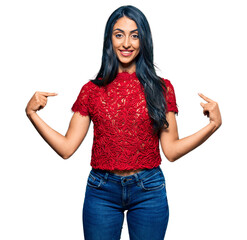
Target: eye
[[135, 36], [118, 35]]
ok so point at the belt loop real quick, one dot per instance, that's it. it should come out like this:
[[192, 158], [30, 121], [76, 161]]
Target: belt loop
[[136, 176], [106, 176]]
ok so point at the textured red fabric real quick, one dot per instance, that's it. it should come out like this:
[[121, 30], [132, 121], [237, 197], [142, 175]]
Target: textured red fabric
[[123, 137]]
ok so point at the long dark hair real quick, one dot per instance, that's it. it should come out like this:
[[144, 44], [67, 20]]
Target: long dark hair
[[145, 68]]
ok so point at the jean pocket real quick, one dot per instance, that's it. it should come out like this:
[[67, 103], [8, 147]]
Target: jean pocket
[[94, 180], [153, 182]]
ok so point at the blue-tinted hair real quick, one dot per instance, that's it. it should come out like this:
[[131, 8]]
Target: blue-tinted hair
[[145, 69]]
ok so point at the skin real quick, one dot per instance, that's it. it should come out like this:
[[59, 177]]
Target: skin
[[124, 37], [173, 147]]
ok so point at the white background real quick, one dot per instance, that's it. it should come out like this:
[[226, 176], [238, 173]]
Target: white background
[[56, 46]]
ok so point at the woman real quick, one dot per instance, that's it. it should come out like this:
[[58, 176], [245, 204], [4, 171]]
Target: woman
[[132, 109]]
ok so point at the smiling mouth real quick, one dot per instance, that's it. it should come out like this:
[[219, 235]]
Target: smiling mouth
[[126, 53]]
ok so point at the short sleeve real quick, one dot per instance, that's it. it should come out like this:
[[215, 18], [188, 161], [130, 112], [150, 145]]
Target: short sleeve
[[81, 104], [170, 97]]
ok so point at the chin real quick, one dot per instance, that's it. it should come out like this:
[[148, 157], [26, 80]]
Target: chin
[[125, 61]]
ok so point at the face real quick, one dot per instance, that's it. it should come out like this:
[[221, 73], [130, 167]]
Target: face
[[126, 43]]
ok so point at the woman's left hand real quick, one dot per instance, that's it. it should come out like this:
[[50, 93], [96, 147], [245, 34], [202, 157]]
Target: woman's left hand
[[211, 110]]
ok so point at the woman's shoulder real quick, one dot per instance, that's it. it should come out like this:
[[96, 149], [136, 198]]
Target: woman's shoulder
[[168, 84], [89, 86], [167, 81], [87, 89]]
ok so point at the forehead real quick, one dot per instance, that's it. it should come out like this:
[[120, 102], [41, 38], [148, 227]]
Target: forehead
[[125, 24]]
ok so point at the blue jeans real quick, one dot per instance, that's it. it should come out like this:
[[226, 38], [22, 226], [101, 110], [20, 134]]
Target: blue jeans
[[108, 195]]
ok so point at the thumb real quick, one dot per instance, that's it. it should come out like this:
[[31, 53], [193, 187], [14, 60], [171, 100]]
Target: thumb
[[202, 104]]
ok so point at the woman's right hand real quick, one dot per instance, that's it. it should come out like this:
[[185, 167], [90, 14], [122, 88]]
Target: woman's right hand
[[38, 101], [66, 145]]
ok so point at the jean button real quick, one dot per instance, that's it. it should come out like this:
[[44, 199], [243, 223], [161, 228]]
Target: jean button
[[125, 180]]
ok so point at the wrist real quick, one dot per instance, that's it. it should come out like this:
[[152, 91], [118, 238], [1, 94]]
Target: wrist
[[29, 113], [214, 125]]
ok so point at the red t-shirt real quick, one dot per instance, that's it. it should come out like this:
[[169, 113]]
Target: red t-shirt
[[123, 131]]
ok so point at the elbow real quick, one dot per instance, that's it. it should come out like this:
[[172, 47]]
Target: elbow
[[171, 159], [66, 156], [67, 152], [170, 151]]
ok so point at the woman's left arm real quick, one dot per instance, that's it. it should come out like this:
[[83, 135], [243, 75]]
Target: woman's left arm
[[173, 147]]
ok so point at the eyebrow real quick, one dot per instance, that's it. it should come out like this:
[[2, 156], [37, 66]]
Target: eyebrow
[[123, 30]]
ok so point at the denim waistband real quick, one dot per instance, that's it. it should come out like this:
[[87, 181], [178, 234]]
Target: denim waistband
[[130, 178]]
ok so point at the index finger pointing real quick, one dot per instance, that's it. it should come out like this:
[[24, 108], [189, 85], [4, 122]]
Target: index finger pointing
[[48, 94], [205, 98]]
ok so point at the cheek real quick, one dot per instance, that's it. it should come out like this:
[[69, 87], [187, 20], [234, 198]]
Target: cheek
[[115, 43], [136, 45]]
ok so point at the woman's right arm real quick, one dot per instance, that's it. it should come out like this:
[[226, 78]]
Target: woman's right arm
[[66, 145]]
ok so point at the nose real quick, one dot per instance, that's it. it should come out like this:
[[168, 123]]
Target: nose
[[126, 43]]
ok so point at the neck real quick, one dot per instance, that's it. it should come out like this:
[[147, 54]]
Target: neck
[[130, 68]]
